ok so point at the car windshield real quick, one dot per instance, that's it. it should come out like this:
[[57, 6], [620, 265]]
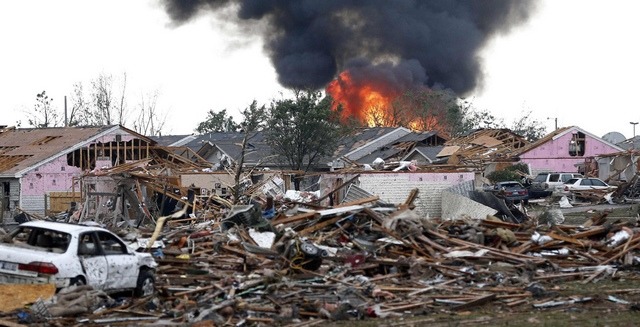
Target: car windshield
[[510, 185], [40, 239], [571, 181], [540, 178]]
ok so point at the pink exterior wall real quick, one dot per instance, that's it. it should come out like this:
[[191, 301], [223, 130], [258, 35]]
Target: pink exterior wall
[[554, 155], [55, 176]]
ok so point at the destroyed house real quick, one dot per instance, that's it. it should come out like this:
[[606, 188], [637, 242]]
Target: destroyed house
[[565, 150], [391, 144], [39, 167], [224, 149], [630, 144], [483, 147]]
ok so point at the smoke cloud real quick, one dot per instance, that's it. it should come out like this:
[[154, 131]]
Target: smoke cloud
[[433, 43]]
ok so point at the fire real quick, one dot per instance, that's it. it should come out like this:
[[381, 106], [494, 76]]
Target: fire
[[378, 102], [364, 101]]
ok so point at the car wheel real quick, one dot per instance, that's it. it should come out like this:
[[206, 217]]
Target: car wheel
[[77, 281], [146, 283]]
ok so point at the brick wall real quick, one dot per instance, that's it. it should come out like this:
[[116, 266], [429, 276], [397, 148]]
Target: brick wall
[[394, 188]]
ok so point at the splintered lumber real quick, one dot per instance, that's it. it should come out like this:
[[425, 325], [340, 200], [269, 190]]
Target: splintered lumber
[[622, 253], [297, 218], [338, 188], [565, 239], [335, 211], [590, 232], [479, 301], [504, 254], [495, 223], [320, 226], [359, 202], [413, 195], [559, 276]]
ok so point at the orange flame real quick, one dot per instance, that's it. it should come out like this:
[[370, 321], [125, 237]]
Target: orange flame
[[376, 103], [362, 101]]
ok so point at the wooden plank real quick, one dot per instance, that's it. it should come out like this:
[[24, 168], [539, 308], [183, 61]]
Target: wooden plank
[[296, 218], [359, 202], [571, 240], [479, 301], [319, 226], [335, 211]]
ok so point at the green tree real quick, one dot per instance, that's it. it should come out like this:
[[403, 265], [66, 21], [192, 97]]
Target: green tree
[[472, 118], [510, 173], [217, 122], [300, 131], [43, 115], [528, 127]]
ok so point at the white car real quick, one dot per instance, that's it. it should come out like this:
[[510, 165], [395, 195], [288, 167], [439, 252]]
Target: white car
[[585, 184], [69, 254]]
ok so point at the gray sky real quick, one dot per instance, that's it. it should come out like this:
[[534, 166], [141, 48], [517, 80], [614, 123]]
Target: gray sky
[[575, 60]]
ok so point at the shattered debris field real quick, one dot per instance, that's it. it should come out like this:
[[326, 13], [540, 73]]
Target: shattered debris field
[[360, 264]]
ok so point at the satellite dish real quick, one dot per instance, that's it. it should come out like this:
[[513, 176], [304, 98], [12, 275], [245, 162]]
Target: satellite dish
[[614, 137]]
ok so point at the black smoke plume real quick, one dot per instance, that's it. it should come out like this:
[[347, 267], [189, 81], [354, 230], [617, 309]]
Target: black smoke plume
[[310, 41]]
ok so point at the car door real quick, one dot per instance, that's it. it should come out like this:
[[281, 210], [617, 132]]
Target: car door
[[122, 265], [94, 264]]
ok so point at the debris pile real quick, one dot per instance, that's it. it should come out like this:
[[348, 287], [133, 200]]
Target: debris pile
[[358, 260]]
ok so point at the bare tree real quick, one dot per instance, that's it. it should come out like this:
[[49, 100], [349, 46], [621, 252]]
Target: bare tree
[[149, 121], [43, 115], [79, 106], [254, 118], [107, 107]]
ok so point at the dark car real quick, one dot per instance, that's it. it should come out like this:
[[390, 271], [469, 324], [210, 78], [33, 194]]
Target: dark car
[[511, 190]]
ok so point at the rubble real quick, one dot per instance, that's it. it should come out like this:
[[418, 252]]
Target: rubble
[[275, 258], [350, 261]]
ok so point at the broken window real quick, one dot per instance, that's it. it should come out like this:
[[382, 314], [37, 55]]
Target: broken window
[[577, 144], [110, 244], [41, 239], [87, 245], [6, 190]]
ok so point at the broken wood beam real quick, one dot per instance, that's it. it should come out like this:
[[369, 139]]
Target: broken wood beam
[[477, 302], [297, 218]]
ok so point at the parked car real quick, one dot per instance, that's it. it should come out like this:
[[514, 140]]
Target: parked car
[[584, 184], [511, 190], [544, 184], [71, 254]]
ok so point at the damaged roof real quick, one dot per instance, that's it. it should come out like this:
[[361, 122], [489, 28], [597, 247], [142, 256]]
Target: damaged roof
[[352, 145], [24, 148], [484, 145], [230, 143], [401, 147]]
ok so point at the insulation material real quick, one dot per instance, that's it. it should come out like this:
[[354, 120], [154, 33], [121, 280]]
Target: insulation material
[[16, 296]]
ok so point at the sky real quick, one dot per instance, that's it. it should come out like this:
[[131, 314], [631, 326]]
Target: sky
[[575, 62]]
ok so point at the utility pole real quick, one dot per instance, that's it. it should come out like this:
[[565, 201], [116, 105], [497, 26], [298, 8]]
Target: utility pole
[[556, 122], [634, 128]]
